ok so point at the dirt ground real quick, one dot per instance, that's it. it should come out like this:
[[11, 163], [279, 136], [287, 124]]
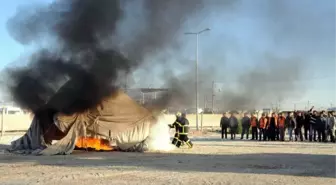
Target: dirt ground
[[211, 161]]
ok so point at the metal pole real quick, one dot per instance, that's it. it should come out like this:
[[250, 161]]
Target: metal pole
[[213, 96], [2, 123], [126, 83], [202, 121], [205, 103], [196, 81], [196, 68]]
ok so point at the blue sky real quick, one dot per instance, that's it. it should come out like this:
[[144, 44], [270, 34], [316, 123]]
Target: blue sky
[[239, 36], [9, 47]]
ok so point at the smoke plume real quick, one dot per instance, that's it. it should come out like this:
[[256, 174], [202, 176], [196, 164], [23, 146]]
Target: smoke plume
[[75, 29], [92, 45], [76, 33], [74, 40], [295, 36]]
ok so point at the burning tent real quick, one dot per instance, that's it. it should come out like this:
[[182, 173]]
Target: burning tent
[[117, 116]]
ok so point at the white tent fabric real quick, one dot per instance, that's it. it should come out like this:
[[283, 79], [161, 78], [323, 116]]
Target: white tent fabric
[[127, 122]]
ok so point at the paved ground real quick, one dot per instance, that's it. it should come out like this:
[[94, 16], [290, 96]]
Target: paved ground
[[211, 162]]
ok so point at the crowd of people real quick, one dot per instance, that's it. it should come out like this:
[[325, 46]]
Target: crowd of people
[[300, 126]]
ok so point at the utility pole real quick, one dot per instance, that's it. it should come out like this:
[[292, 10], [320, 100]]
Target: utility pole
[[196, 69], [126, 82], [213, 96]]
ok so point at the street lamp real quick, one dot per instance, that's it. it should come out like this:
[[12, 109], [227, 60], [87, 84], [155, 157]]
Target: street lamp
[[196, 68]]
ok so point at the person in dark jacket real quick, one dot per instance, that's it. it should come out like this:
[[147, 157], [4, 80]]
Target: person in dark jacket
[[298, 129], [287, 120], [330, 127], [246, 123], [224, 124], [314, 125], [233, 125], [324, 125], [277, 131], [333, 120], [306, 126], [267, 130], [271, 127], [318, 126]]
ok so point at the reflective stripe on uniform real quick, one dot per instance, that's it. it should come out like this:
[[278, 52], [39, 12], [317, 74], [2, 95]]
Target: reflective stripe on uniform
[[178, 123], [183, 133], [178, 140], [188, 143]]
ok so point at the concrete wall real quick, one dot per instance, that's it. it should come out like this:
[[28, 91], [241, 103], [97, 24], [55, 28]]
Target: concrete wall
[[11, 122], [22, 122], [206, 120]]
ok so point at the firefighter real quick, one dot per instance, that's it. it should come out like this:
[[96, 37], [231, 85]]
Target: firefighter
[[176, 125], [254, 125], [281, 126], [183, 130], [262, 126]]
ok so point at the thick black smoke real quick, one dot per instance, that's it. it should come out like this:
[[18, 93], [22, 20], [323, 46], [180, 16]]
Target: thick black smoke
[[90, 44], [75, 30], [75, 39]]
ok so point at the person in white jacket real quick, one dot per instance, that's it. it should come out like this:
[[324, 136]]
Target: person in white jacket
[[334, 127], [331, 128]]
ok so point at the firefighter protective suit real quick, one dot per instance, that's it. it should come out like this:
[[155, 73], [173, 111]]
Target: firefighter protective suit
[[183, 130], [175, 125]]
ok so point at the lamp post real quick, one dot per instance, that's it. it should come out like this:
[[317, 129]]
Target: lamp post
[[196, 68]]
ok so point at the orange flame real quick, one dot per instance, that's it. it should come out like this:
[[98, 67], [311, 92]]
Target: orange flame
[[94, 143]]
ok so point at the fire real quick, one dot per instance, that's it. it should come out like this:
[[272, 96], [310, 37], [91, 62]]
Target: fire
[[94, 143]]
